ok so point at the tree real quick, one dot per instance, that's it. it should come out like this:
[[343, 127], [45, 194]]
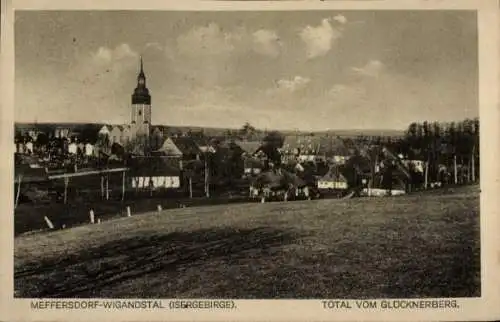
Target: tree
[[42, 139], [139, 145], [247, 131], [272, 142]]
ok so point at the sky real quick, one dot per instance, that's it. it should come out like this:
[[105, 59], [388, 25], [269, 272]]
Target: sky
[[304, 70]]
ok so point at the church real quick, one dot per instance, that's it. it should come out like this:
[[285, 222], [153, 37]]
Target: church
[[140, 135], [139, 130]]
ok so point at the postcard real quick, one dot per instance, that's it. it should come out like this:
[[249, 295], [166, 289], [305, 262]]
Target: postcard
[[250, 160]]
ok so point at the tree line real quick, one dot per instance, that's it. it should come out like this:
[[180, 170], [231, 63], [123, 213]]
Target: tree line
[[441, 145]]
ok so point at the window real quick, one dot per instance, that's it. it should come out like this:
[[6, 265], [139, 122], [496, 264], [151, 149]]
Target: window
[[140, 112]]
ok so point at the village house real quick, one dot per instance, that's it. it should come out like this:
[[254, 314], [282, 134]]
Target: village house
[[314, 148], [153, 174], [252, 166], [116, 134], [105, 131], [334, 179], [62, 132]]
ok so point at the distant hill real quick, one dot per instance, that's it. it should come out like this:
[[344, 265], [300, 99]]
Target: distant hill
[[212, 131]]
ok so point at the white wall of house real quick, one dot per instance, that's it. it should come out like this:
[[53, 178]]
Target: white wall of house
[[115, 135], [156, 182], [104, 130], [306, 157], [252, 170], [419, 165], [327, 184]]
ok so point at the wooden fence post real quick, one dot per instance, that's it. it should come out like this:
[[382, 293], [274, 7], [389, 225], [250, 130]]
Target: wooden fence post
[[102, 186], [18, 193], [49, 223], [107, 187], [92, 216], [426, 175], [190, 187], [66, 182], [207, 184], [455, 169], [123, 186], [473, 164]]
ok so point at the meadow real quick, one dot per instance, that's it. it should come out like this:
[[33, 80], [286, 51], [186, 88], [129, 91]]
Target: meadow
[[420, 245]]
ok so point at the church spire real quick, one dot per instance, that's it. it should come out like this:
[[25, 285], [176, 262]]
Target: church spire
[[141, 92]]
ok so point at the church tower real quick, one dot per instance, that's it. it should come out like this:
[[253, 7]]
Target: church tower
[[141, 105]]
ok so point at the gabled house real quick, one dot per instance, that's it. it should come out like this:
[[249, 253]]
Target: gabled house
[[105, 130], [252, 166], [204, 144], [249, 148], [188, 147], [62, 132], [153, 173], [127, 135], [169, 148], [334, 180], [305, 148], [157, 137], [116, 134]]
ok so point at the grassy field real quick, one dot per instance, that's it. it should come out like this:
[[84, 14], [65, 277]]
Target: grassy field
[[421, 245]]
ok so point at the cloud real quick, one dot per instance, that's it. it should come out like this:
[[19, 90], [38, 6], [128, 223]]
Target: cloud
[[340, 19], [293, 85], [266, 42], [213, 40], [116, 58], [154, 45], [206, 40], [319, 40], [103, 54], [372, 68]]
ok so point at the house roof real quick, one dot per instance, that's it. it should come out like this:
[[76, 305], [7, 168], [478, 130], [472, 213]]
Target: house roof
[[250, 147], [201, 141], [159, 128], [230, 146], [252, 163], [169, 147], [29, 174], [316, 144], [336, 173], [275, 180], [153, 166], [186, 145], [107, 127]]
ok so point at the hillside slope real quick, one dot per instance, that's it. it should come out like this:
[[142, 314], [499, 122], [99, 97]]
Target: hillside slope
[[412, 246]]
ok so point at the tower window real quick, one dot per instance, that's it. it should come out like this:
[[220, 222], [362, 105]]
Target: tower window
[[140, 112]]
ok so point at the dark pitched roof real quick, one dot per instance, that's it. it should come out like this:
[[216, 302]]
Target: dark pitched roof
[[316, 144], [186, 145], [275, 180], [153, 166], [252, 163], [29, 174], [201, 141], [249, 147]]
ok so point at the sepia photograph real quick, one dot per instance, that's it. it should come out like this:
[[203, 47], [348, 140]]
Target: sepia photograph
[[246, 154]]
